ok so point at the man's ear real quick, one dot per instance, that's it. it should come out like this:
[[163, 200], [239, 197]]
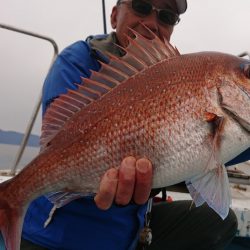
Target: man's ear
[[113, 17]]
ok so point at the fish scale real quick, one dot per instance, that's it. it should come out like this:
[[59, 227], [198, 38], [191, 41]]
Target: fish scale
[[189, 114]]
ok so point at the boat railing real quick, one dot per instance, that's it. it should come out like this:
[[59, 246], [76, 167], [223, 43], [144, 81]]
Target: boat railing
[[245, 53], [38, 104]]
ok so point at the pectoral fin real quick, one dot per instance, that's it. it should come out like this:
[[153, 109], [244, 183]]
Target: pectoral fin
[[215, 138], [213, 188]]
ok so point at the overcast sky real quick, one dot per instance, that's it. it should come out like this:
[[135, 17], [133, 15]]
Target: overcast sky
[[218, 25]]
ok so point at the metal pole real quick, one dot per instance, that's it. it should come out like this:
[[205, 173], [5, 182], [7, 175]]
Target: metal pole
[[104, 17], [12, 28], [37, 106]]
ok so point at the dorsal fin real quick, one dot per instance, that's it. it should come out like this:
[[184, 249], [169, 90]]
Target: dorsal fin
[[138, 55]]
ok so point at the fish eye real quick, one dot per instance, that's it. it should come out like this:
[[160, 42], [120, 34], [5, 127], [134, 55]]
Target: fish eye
[[246, 70]]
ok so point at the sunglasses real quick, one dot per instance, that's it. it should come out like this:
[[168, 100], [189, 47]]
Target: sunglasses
[[166, 16]]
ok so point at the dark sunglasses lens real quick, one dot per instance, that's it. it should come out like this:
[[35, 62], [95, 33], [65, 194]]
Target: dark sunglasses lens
[[168, 17], [141, 7]]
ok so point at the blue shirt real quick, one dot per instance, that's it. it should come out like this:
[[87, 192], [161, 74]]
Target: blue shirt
[[80, 224]]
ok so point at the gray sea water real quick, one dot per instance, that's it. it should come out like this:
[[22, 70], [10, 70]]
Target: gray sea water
[[8, 154]]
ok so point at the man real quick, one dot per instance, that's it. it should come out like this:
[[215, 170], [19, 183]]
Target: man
[[113, 219]]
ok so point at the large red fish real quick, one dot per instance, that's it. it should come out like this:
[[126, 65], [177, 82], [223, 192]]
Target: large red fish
[[189, 114]]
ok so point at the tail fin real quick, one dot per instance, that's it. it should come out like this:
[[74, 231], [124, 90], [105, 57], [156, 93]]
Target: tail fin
[[11, 220]]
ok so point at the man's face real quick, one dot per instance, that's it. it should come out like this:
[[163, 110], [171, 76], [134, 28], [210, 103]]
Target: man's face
[[123, 16]]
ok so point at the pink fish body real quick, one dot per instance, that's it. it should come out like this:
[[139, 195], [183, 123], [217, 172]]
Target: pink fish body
[[189, 114]]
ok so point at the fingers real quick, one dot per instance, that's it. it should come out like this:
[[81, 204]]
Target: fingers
[[126, 182], [107, 189], [132, 182], [144, 173]]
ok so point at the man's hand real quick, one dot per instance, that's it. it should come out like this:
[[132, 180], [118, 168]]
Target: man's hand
[[131, 181]]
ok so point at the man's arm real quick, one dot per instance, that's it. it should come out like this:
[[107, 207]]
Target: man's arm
[[245, 156]]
